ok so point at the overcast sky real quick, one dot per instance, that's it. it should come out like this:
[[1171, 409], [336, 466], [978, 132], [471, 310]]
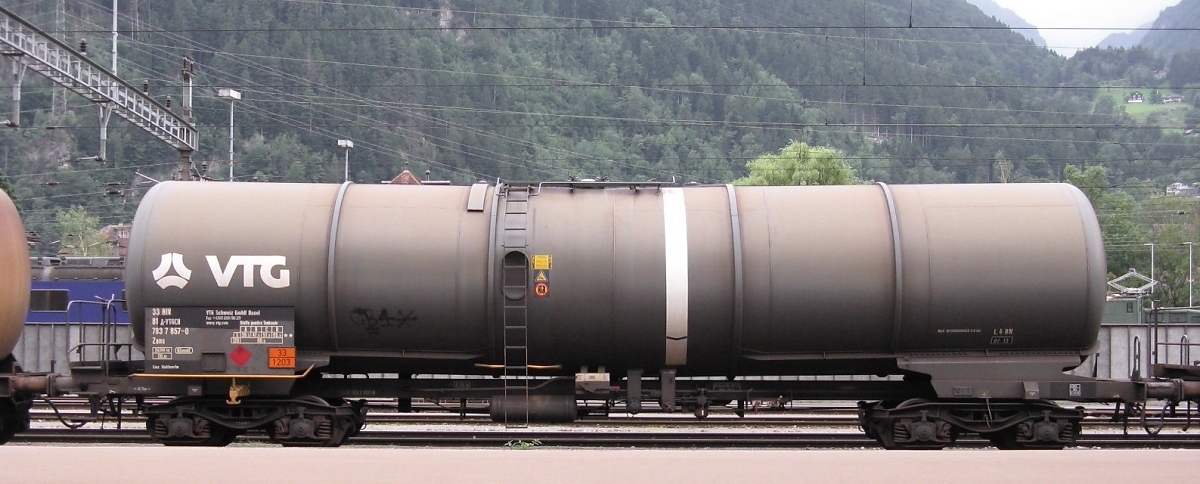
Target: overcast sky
[[1047, 15]]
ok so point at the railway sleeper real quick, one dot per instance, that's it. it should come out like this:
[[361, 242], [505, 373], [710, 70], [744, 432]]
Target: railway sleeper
[[930, 424], [301, 421]]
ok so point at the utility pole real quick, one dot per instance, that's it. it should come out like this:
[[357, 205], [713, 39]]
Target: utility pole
[[58, 97], [232, 95], [185, 157], [114, 39]]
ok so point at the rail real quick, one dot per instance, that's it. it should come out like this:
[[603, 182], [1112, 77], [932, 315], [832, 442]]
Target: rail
[[658, 438]]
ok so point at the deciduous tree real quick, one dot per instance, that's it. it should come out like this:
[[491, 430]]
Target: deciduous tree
[[800, 164]]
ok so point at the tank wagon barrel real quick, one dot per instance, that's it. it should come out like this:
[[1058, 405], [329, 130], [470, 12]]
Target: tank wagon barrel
[[710, 280], [14, 299], [253, 303]]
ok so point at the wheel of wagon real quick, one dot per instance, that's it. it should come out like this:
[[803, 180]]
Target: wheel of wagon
[[8, 429], [1007, 440], [12, 420], [220, 436]]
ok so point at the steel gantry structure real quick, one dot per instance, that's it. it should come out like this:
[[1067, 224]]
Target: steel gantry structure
[[30, 48]]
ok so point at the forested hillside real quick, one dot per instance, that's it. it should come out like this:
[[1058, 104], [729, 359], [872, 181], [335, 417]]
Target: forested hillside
[[921, 91]]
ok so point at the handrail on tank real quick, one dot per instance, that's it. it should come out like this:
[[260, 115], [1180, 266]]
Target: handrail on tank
[[114, 347], [1154, 322], [1136, 373], [110, 350], [1185, 350], [599, 183], [78, 305]]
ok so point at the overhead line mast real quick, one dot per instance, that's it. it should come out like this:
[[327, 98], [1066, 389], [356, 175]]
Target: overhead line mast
[[30, 47]]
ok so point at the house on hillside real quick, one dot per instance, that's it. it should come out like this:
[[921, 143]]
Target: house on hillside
[[117, 236], [1134, 97], [1178, 189], [1172, 98]]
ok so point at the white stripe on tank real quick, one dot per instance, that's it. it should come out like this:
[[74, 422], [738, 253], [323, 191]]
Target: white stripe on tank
[[676, 245]]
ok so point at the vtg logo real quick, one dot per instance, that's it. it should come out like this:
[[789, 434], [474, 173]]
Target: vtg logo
[[265, 263], [223, 274], [171, 261]]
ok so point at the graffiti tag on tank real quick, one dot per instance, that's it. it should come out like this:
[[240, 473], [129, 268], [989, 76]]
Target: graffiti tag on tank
[[373, 321]]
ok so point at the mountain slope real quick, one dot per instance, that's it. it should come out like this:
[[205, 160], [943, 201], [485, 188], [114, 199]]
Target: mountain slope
[[690, 90], [1125, 40], [1165, 40], [1009, 18], [627, 89]]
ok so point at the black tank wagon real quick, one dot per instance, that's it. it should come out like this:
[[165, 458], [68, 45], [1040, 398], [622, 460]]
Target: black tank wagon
[[253, 302]]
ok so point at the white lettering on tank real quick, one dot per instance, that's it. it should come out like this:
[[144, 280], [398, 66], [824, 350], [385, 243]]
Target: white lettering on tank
[[265, 263]]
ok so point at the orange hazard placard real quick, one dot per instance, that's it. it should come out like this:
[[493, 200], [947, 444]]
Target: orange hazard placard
[[281, 352], [281, 357]]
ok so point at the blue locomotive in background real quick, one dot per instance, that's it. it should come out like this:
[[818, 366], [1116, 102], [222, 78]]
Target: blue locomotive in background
[[72, 300]]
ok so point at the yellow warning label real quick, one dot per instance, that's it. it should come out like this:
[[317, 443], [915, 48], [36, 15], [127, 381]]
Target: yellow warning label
[[541, 276], [541, 262]]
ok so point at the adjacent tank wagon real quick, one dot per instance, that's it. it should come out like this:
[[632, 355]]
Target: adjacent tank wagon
[[14, 299], [14, 276]]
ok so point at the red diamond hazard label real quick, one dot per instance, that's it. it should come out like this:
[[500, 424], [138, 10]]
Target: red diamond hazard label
[[240, 355]]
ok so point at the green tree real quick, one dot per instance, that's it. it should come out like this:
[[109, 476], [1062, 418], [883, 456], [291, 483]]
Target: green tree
[[800, 164], [4, 186], [1115, 210], [1169, 222], [79, 233], [1184, 68]]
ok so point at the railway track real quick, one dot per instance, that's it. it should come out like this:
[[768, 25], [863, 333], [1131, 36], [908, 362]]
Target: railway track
[[810, 427], [558, 437], [829, 416]]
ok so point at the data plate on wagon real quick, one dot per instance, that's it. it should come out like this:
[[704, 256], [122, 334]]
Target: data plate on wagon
[[221, 340]]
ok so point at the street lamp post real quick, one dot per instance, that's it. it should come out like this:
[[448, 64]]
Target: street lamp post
[[347, 144], [232, 95]]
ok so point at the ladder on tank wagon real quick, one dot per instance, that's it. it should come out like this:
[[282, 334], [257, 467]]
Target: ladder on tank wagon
[[515, 289]]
